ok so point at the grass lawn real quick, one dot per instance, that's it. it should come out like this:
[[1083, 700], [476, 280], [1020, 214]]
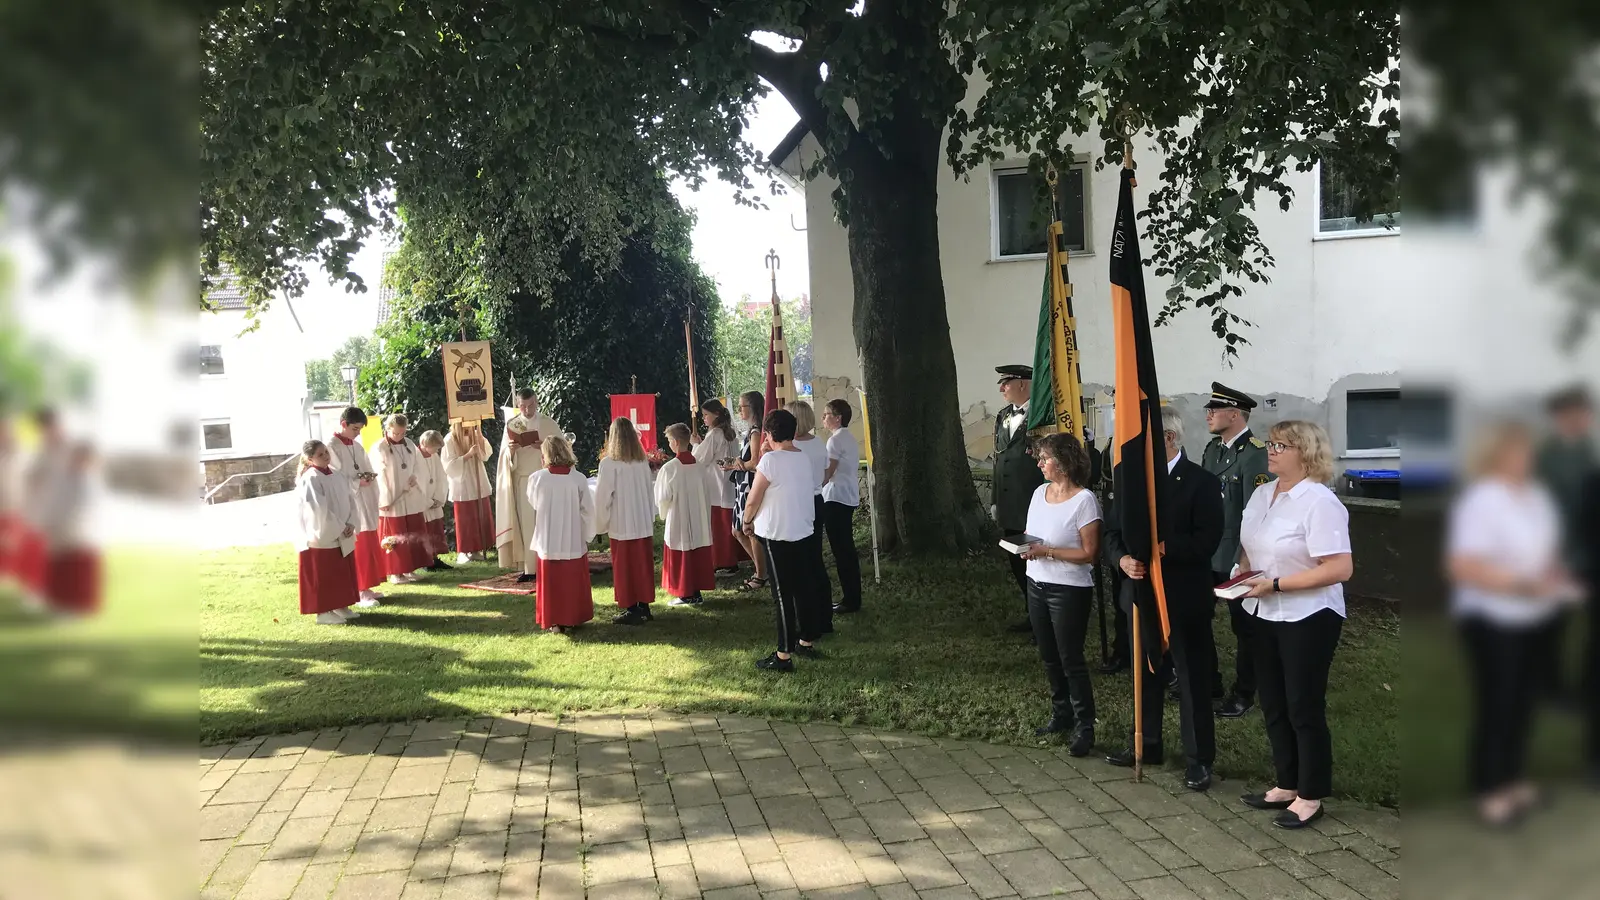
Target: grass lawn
[[929, 655]]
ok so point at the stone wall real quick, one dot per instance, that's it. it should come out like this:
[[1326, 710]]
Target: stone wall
[[216, 471]]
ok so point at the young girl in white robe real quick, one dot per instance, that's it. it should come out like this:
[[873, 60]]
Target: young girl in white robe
[[326, 540], [403, 496], [350, 461], [466, 461], [720, 443], [563, 527], [431, 444], [625, 509], [683, 496]]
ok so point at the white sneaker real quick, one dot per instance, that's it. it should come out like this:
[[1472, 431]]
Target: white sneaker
[[348, 613], [330, 618], [371, 595], [367, 603], [463, 559]]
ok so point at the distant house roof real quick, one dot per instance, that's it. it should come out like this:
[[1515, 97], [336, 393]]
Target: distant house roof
[[385, 292], [225, 293]]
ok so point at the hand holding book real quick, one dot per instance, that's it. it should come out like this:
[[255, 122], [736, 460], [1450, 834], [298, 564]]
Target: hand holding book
[[1241, 585]]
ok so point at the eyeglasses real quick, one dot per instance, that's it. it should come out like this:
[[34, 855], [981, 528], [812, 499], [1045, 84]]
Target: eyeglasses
[[1278, 447]]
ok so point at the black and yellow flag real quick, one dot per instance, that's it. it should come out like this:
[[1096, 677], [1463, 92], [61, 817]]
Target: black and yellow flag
[[1056, 403], [1141, 468]]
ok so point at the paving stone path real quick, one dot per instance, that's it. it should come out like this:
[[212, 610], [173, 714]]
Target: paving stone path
[[652, 805]]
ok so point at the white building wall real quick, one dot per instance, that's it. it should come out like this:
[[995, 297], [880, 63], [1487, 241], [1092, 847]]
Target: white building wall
[[261, 393]]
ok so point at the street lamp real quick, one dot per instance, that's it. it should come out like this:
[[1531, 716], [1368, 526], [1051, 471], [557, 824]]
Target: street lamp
[[349, 373]]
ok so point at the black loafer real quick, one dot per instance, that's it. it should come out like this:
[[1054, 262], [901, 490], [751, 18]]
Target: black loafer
[[843, 610], [1056, 725], [1291, 822], [810, 652], [1260, 801], [1234, 708], [774, 663], [1113, 667], [1082, 743], [1197, 778], [526, 577], [1153, 756]]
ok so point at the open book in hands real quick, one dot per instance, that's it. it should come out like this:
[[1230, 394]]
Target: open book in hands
[[1236, 587], [1016, 543]]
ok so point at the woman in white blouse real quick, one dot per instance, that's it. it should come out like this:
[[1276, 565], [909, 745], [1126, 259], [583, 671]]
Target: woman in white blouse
[[1296, 533], [1065, 516], [1510, 586], [625, 509], [779, 510]]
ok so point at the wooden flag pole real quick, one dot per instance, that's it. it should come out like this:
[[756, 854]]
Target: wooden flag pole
[[1138, 697], [694, 389]]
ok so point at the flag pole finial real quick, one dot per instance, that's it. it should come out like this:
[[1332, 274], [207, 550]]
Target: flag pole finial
[[1130, 123], [772, 266]]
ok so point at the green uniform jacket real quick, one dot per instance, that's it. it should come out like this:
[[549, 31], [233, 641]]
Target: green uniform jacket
[[1016, 475], [1241, 467]]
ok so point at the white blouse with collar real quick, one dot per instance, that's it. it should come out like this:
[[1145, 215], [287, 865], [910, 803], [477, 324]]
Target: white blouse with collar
[[1288, 534]]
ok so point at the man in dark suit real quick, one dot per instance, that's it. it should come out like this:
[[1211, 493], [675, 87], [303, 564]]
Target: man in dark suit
[[1016, 471], [1191, 527]]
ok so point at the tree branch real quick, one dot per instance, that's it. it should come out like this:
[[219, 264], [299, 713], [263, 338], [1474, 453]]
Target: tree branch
[[797, 78]]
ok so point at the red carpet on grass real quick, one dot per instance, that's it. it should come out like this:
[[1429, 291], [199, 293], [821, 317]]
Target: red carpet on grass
[[507, 583]]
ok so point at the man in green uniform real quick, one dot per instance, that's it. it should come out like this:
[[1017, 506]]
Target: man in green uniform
[[1564, 463], [1016, 471], [1239, 459]]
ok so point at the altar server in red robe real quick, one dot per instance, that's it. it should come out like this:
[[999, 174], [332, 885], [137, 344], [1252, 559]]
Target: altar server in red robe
[[625, 509], [327, 538], [563, 527], [432, 445], [683, 496], [720, 443], [466, 460], [402, 498], [350, 460]]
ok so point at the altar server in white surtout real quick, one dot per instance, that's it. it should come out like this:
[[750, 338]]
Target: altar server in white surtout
[[683, 495], [466, 462], [350, 459]]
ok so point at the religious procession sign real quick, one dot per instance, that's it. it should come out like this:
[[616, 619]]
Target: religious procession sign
[[468, 381]]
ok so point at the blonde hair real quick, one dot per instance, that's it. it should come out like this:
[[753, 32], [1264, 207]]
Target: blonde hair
[[678, 433], [433, 440], [622, 442], [396, 419], [1316, 450], [557, 452], [805, 418], [1491, 442], [307, 451]]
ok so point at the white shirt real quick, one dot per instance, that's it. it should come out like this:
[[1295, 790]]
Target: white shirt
[[683, 494], [1058, 525], [1017, 419], [816, 450], [707, 452], [845, 485], [1173, 462], [350, 460], [1287, 536], [787, 512], [438, 487], [467, 471], [1513, 528], [624, 501], [564, 522], [397, 465], [326, 508]]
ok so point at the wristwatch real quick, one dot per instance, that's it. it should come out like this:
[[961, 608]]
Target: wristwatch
[[1275, 588]]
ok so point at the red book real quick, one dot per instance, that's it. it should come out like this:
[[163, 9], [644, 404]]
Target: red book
[[1235, 588]]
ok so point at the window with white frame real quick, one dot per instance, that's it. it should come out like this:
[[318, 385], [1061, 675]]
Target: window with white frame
[[1372, 420], [1337, 203], [1020, 211], [216, 434], [211, 359]]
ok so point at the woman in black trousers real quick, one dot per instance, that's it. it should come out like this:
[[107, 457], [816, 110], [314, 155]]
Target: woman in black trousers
[[1065, 516]]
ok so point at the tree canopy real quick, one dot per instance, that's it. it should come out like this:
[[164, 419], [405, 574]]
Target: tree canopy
[[325, 377]]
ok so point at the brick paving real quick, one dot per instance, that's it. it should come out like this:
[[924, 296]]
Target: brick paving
[[653, 805]]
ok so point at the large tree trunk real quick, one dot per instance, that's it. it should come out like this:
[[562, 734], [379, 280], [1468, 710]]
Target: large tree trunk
[[926, 499]]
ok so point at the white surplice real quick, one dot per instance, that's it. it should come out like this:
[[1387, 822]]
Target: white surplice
[[710, 449], [564, 514], [624, 501], [467, 467], [350, 460], [514, 517], [402, 479], [683, 495], [438, 487], [326, 508]]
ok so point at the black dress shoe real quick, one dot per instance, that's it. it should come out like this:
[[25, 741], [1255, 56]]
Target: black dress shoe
[[1056, 725], [1234, 707], [772, 662], [526, 577], [808, 651], [1197, 778], [1113, 667], [1082, 743], [1153, 756], [1020, 627], [440, 565], [630, 616], [645, 613], [1291, 822], [843, 610], [1260, 801]]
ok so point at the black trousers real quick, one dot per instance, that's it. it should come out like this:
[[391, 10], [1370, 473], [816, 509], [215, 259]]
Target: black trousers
[[1591, 685], [1244, 663], [838, 521], [821, 597], [789, 575], [1019, 571], [1194, 657], [1292, 661], [1060, 617], [1510, 668]]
